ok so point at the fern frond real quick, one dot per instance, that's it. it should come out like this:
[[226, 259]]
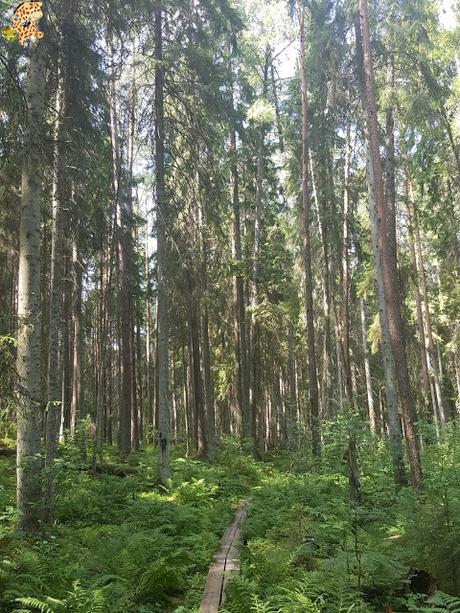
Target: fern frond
[[33, 604], [444, 602]]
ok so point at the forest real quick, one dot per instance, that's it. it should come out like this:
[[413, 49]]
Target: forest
[[230, 274]]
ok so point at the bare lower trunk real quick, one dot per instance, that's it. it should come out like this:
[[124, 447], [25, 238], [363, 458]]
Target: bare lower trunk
[[67, 350], [256, 391], [327, 410], [125, 409], [345, 315], [148, 351], [162, 258], [292, 425], [76, 407], [242, 383], [430, 351], [201, 424], [53, 415], [367, 370], [208, 384], [393, 419], [29, 325], [418, 307]]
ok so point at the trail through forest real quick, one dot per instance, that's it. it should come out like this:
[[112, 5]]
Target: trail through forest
[[123, 543], [230, 268], [226, 563]]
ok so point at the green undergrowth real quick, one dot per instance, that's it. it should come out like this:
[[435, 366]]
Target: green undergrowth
[[122, 544], [309, 550]]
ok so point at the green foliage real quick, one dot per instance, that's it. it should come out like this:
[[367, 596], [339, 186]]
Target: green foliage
[[309, 549], [261, 112], [443, 602], [78, 600], [122, 544]]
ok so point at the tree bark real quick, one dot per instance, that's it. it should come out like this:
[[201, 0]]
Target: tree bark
[[255, 352], [76, 405], [312, 371], [67, 347], [29, 325], [242, 384], [393, 421], [367, 370], [326, 380], [208, 384], [430, 353], [162, 258], [56, 324], [199, 412], [418, 306], [292, 425], [345, 315], [148, 348], [125, 412]]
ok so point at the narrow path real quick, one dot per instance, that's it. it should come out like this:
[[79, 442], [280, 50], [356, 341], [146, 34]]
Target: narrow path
[[225, 562]]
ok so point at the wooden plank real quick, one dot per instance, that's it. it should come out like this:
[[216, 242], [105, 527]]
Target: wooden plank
[[225, 563]]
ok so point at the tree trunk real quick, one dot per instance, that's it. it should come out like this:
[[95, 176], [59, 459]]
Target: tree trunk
[[208, 384], [255, 352], [325, 396], [125, 410], [201, 423], [29, 299], [128, 237], [76, 405], [389, 278], [393, 419], [420, 269], [312, 375], [56, 325], [148, 348], [345, 316], [67, 349], [367, 370], [242, 386], [418, 306], [162, 258], [292, 425]]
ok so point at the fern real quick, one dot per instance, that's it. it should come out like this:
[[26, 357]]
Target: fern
[[79, 600], [33, 604], [441, 602]]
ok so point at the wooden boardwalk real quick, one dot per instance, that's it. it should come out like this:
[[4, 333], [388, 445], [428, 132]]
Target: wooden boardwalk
[[225, 562]]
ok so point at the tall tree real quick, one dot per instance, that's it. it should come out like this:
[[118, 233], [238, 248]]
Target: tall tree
[[389, 274], [126, 405], [29, 303], [312, 371], [56, 329], [162, 258], [242, 383]]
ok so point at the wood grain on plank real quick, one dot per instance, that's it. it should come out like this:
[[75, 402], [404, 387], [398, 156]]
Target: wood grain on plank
[[225, 562]]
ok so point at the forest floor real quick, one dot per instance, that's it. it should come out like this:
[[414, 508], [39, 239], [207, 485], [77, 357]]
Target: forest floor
[[123, 544]]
